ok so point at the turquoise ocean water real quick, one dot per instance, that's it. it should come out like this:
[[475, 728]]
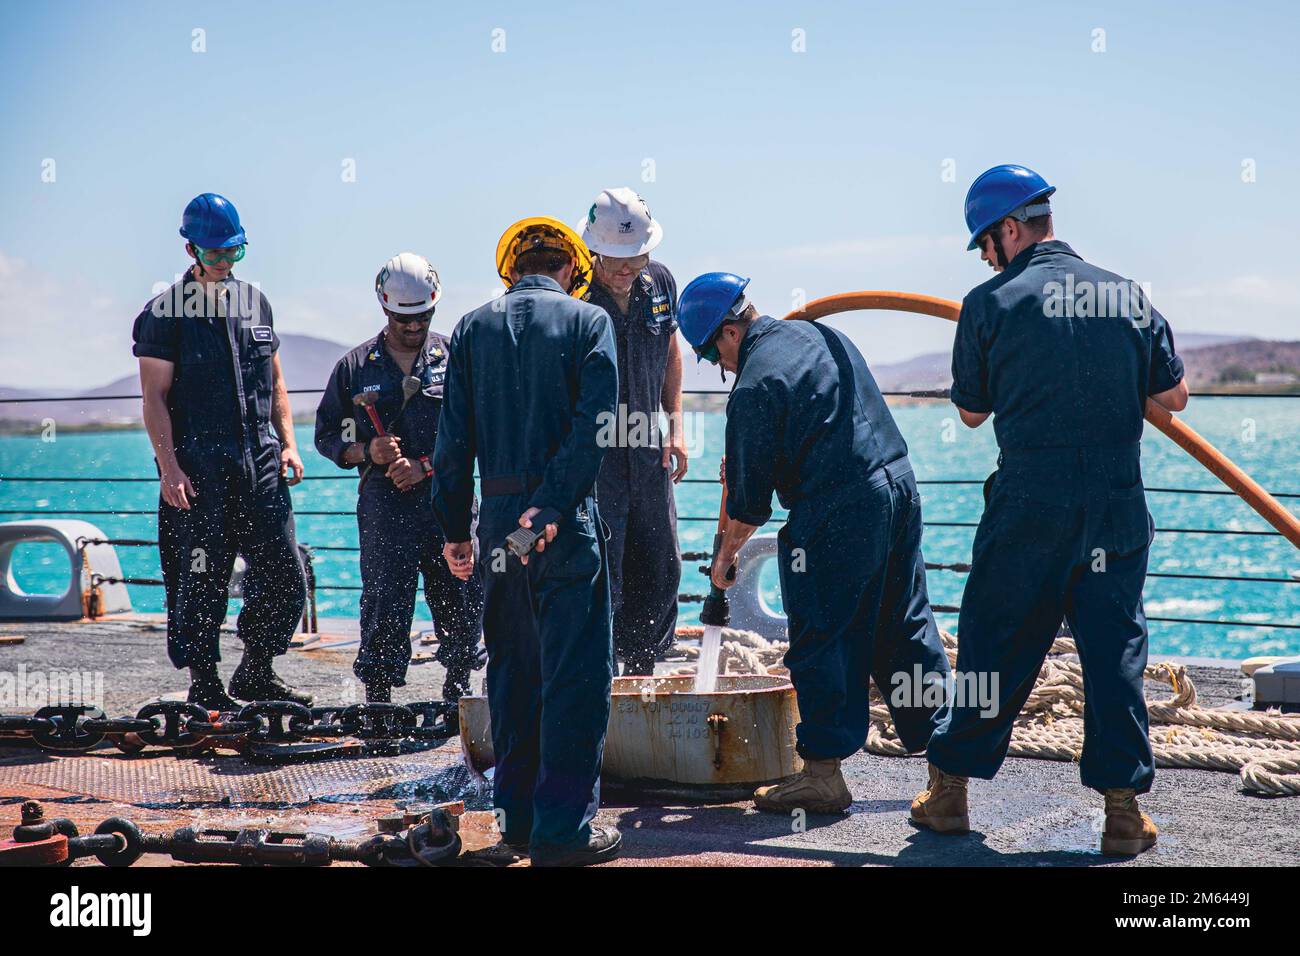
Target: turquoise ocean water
[[1260, 434]]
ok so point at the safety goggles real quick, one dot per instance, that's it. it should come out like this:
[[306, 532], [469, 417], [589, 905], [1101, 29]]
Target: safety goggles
[[231, 254], [710, 352], [614, 264]]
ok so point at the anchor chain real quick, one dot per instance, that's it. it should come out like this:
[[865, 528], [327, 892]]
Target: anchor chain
[[421, 837], [77, 728]]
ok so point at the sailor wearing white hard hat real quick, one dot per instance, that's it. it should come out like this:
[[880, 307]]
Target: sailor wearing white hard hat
[[637, 475], [379, 414]]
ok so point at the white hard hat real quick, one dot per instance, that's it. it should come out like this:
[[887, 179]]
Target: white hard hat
[[620, 225], [408, 285]]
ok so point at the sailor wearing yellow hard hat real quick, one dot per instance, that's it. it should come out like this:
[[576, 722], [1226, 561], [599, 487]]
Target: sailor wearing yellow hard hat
[[531, 378], [538, 236]]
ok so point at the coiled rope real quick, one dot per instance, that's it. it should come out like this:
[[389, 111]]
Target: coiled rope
[[1262, 747]]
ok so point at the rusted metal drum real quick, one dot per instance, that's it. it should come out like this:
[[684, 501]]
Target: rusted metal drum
[[664, 738]]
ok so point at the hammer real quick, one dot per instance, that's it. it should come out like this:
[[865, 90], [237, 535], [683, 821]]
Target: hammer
[[367, 401], [410, 385]]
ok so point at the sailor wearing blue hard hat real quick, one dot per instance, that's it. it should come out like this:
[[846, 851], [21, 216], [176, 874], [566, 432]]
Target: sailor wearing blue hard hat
[[1004, 192], [1064, 356], [217, 412], [806, 420]]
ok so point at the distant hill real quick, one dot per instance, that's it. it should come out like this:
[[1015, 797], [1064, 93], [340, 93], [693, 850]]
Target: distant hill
[[1213, 361], [1251, 363], [307, 362], [933, 370]]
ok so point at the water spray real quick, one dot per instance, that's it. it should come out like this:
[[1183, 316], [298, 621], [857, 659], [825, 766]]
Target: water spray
[[716, 612]]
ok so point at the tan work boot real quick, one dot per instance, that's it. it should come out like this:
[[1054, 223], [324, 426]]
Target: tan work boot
[[818, 788], [1128, 830], [941, 807]]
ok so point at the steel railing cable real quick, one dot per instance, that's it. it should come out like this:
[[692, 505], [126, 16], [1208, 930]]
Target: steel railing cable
[[339, 513], [934, 393], [1221, 623], [351, 476], [28, 400], [343, 476], [697, 598], [975, 524], [959, 567]]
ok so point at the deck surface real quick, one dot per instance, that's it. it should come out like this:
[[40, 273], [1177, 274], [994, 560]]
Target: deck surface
[[1035, 813]]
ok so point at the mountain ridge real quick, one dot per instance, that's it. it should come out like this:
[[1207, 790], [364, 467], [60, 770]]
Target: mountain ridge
[[1213, 360]]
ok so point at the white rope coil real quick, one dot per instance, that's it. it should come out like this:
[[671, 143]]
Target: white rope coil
[[1262, 747]]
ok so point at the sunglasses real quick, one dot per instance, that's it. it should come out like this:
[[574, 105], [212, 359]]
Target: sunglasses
[[424, 318]]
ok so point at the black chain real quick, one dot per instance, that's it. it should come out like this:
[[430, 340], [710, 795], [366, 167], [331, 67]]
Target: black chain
[[431, 837], [68, 731], [76, 728], [171, 719]]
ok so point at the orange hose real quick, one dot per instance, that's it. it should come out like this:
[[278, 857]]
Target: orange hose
[[1215, 461]]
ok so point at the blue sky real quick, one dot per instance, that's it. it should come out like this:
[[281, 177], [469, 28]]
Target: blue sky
[[819, 171]]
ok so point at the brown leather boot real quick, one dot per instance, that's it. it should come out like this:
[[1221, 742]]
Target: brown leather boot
[[941, 807], [1128, 830], [818, 788]]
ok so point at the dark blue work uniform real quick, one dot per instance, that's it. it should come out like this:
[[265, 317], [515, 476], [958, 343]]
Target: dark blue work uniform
[[220, 405], [635, 490], [531, 378], [806, 419], [399, 538], [1065, 531]]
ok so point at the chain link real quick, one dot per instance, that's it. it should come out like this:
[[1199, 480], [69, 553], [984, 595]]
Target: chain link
[[69, 732], [431, 838], [76, 728]]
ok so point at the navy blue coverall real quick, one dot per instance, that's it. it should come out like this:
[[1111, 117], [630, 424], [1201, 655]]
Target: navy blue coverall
[[1065, 532], [806, 418], [530, 379], [399, 539], [220, 405], [635, 490]]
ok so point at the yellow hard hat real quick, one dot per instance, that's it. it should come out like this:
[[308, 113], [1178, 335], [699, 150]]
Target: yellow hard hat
[[543, 232]]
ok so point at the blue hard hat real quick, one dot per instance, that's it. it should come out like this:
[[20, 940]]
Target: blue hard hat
[[1001, 192], [211, 221], [706, 303]]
